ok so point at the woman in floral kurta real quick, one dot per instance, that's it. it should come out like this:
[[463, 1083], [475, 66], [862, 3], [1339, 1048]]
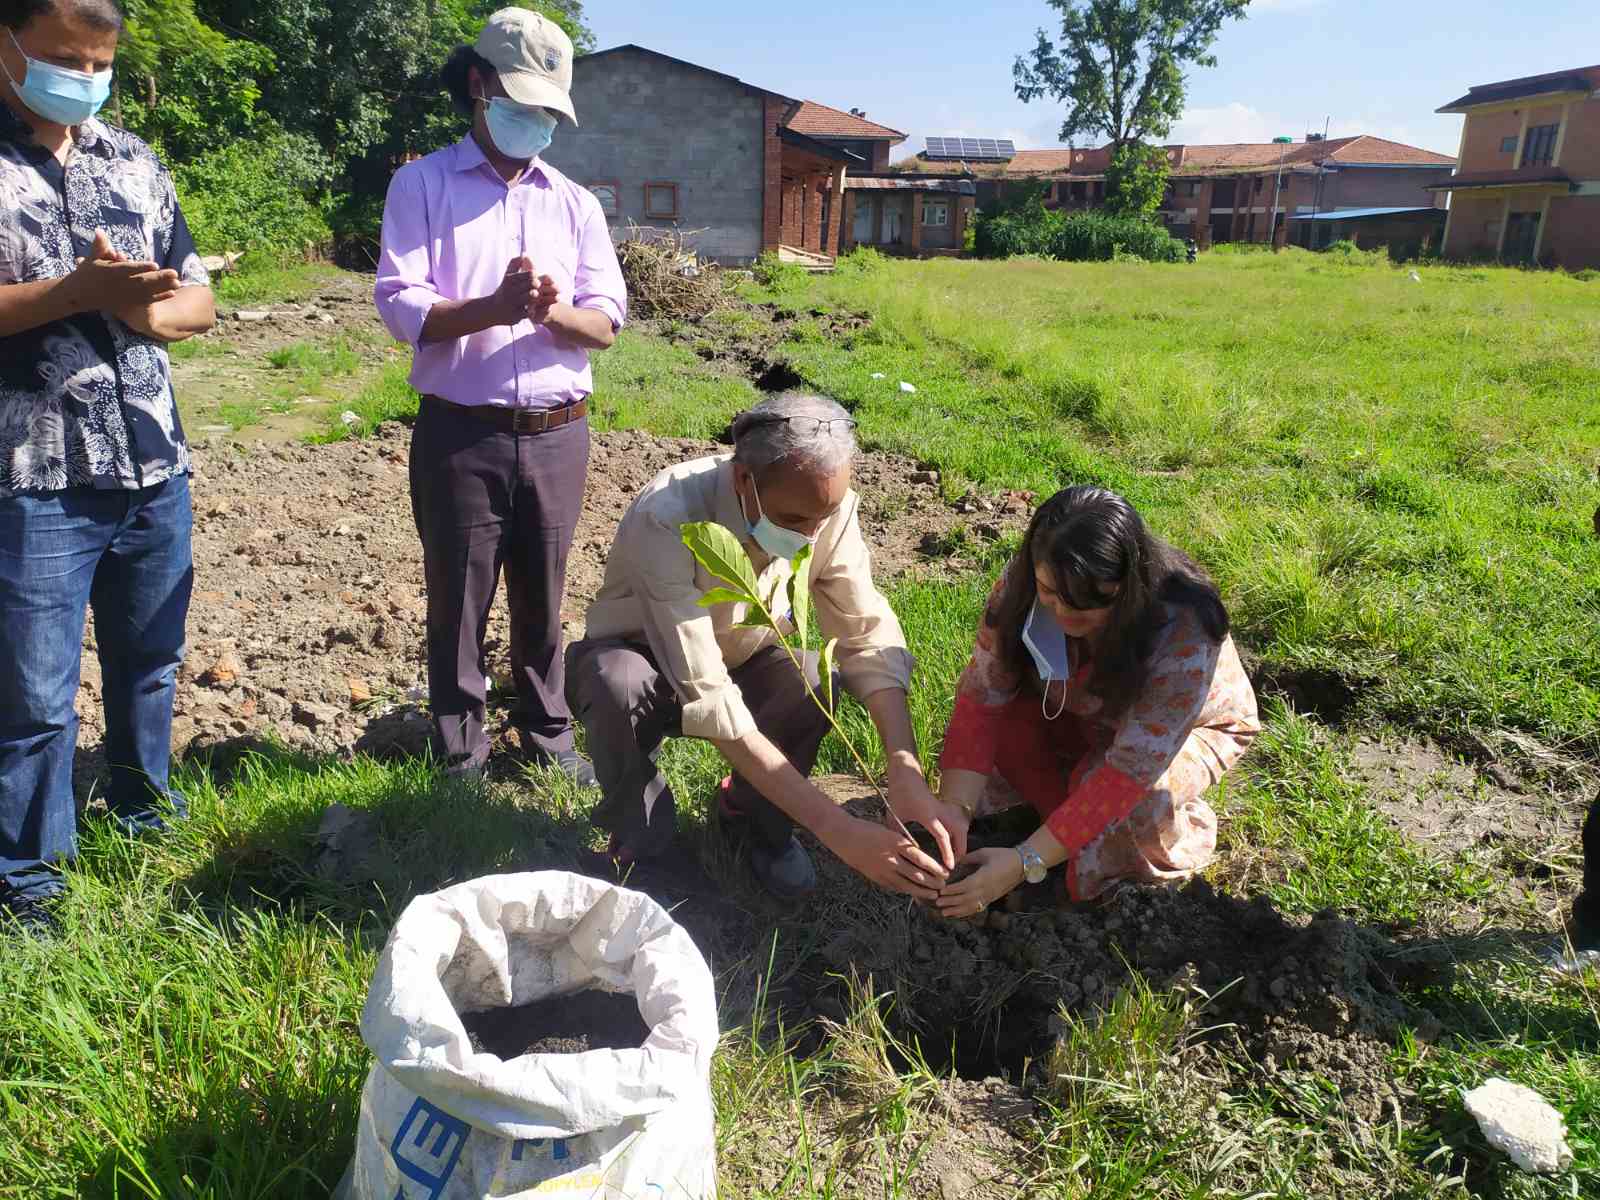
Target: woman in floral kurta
[[1116, 768]]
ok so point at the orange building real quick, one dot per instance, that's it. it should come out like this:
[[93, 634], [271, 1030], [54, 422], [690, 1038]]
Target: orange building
[[1528, 187]]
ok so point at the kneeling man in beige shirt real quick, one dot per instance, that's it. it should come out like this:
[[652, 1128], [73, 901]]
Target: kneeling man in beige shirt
[[656, 663]]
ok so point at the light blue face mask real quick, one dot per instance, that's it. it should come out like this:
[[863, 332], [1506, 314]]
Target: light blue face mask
[[57, 94], [1047, 643], [775, 539], [519, 132]]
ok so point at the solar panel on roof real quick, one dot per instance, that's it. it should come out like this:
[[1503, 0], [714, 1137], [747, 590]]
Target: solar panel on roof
[[974, 149]]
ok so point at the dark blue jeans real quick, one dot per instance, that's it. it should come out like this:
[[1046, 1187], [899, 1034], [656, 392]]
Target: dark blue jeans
[[127, 554]]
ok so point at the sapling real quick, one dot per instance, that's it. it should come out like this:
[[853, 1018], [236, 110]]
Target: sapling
[[717, 550]]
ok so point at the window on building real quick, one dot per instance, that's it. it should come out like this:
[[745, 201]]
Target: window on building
[[1508, 145], [607, 192], [1539, 150], [1260, 182], [661, 201], [935, 212]]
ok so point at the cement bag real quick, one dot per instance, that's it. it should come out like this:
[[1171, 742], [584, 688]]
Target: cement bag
[[441, 1122]]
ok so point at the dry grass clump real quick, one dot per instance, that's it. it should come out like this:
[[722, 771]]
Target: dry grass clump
[[665, 277]]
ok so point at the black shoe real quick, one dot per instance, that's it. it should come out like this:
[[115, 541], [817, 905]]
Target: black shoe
[[33, 915], [569, 762]]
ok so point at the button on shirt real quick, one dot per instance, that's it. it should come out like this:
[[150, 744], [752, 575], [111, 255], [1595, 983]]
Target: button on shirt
[[86, 401], [451, 226], [653, 587]]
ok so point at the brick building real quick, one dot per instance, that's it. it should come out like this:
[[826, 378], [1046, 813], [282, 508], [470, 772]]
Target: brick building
[[1244, 192], [1528, 189], [667, 144], [914, 216]]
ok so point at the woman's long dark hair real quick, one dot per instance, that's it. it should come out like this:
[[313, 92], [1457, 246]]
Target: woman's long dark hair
[[1090, 538]]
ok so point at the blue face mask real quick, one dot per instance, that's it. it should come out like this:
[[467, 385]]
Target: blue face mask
[[57, 94], [518, 132], [775, 539], [1047, 643]]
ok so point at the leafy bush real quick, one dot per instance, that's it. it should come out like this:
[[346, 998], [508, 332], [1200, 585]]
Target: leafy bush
[[1586, 275], [863, 260], [1074, 237], [260, 195], [771, 271], [1343, 246]]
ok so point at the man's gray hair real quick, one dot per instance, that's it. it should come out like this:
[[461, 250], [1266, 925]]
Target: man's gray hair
[[765, 436]]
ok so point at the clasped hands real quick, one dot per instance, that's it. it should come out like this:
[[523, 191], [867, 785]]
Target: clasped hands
[[522, 296]]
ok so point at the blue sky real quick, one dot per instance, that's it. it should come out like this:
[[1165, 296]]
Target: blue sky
[[943, 67]]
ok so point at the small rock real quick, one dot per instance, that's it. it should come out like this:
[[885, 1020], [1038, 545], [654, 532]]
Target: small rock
[[1279, 987], [956, 1184], [360, 693], [907, 388], [930, 478], [879, 375], [314, 715], [1517, 1120], [223, 672], [349, 419], [346, 848], [253, 315]]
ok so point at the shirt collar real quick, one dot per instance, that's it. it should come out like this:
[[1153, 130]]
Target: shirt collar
[[91, 134], [470, 157]]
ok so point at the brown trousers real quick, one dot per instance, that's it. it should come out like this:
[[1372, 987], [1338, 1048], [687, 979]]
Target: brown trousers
[[486, 501], [628, 708]]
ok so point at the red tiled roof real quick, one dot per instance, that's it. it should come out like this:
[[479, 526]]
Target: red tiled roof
[[1531, 176], [1575, 80], [818, 120], [1228, 158]]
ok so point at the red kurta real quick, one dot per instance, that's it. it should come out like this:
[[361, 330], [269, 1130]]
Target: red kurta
[[1122, 794]]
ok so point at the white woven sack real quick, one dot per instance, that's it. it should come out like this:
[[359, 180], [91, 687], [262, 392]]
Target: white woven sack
[[441, 1122]]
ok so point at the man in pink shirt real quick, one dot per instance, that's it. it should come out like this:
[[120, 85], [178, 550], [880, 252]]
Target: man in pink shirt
[[500, 272]]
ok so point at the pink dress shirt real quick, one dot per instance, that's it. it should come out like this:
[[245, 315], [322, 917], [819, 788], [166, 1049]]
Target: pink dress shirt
[[451, 226]]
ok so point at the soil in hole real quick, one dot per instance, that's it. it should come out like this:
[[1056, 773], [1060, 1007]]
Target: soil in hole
[[570, 1024], [1289, 994]]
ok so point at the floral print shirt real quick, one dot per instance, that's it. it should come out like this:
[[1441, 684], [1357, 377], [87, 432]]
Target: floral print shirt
[[86, 402], [1197, 688]]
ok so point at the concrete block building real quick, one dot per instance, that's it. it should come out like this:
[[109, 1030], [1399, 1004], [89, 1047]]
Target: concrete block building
[[1528, 188], [667, 144]]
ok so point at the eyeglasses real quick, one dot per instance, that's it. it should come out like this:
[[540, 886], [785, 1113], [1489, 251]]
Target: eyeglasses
[[805, 426]]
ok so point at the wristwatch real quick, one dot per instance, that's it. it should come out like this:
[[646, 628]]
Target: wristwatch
[[1033, 868]]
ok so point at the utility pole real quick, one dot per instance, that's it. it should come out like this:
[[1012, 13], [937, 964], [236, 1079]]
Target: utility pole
[[1277, 189]]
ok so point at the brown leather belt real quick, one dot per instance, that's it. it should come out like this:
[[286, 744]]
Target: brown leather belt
[[518, 420]]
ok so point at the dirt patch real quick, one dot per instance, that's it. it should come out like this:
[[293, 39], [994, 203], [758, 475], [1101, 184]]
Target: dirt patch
[[343, 303], [1321, 995], [570, 1024], [307, 620], [1449, 805], [746, 339]]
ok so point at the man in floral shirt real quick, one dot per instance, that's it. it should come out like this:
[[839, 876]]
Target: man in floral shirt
[[97, 274]]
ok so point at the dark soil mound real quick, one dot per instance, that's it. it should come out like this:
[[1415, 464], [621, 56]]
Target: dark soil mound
[[571, 1024], [1320, 994]]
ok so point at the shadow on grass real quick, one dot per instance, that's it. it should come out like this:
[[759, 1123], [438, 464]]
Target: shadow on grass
[[262, 807]]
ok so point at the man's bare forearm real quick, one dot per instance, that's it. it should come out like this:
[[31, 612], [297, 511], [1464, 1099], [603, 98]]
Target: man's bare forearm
[[451, 319], [192, 311], [29, 306], [586, 327]]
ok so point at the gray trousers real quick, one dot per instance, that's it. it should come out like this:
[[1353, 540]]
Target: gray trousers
[[628, 708], [488, 502]]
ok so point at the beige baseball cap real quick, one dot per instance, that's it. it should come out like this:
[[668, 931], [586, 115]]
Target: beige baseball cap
[[533, 57]]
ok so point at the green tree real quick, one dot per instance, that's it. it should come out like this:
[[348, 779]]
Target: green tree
[[1136, 180], [182, 85], [1118, 64]]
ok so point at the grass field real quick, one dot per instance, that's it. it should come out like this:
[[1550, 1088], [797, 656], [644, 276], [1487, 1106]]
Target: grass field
[[1393, 480]]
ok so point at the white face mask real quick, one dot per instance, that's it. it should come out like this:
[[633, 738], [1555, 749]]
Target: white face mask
[[1047, 643], [775, 539]]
